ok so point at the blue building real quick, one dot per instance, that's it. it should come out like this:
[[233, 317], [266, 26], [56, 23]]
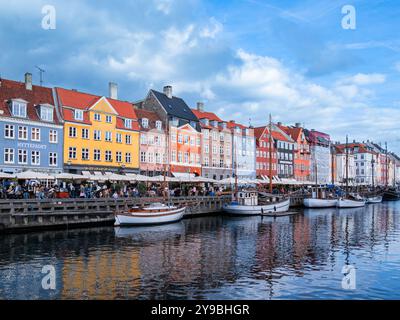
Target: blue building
[[31, 130]]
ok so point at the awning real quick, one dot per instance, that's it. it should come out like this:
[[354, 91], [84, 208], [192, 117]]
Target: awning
[[4, 175], [70, 176]]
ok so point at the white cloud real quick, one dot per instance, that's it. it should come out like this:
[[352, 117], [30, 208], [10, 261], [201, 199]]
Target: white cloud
[[211, 30], [363, 79], [164, 6]]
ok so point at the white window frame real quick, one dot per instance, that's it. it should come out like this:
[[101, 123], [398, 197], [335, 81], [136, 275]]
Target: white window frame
[[53, 133], [128, 139], [97, 155], [9, 153], [87, 135], [97, 117], [128, 157], [118, 137], [128, 123], [37, 130], [108, 136], [53, 157], [46, 114], [98, 133], [78, 115], [145, 123], [10, 129], [20, 107], [20, 151], [108, 119], [85, 152], [159, 125], [72, 150], [23, 129], [35, 154], [118, 156]]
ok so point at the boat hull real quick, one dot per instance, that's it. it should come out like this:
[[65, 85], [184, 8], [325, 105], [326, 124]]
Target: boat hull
[[377, 199], [319, 203], [391, 196], [149, 218], [277, 207], [347, 203]]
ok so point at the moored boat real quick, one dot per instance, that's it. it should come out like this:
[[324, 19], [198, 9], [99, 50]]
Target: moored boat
[[156, 213], [247, 204], [319, 203], [350, 203], [391, 195], [375, 199]]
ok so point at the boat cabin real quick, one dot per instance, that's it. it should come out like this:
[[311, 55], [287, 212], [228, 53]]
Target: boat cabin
[[247, 198]]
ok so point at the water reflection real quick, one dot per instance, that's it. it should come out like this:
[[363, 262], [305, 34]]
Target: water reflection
[[297, 256]]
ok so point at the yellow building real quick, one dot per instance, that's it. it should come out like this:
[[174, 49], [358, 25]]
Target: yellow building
[[100, 134]]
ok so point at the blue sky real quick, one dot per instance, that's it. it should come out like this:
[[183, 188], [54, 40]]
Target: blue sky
[[244, 59]]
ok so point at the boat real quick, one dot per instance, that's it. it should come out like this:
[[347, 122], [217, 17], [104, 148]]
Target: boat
[[319, 203], [391, 195], [155, 213], [247, 204], [350, 203], [374, 199]]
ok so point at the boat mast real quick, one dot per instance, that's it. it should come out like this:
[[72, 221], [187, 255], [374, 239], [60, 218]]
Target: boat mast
[[347, 166], [270, 153], [386, 166], [236, 166], [373, 169], [166, 163]]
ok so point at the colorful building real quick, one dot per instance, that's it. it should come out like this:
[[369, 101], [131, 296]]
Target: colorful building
[[301, 160], [339, 173], [184, 130], [31, 130], [243, 150], [101, 134], [263, 153], [153, 143], [216, 145]]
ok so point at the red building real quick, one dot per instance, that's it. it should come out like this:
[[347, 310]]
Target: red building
[[262, 153]]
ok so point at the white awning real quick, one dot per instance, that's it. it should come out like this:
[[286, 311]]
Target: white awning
[[30, 175], [4, 175]]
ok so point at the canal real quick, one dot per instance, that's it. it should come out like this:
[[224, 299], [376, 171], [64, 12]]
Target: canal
[[219, 257]]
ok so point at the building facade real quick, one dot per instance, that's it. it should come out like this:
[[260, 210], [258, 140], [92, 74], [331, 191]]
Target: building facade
[[31, 130], [284, 145], [216, 145], [153, 143], [320, 156], [184, 131], [243, 150], [263, 151], [339, 165], [101, 134]]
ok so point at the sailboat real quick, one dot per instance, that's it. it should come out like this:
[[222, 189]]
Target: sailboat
[[373, 197], [349, 201], [155, 213], [247, 202], [390, 194]]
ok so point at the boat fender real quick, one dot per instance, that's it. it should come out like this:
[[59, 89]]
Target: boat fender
[[274, 208]]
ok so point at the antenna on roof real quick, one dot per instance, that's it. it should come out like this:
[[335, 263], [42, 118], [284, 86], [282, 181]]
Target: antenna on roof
[[41, 71], [249, 122]]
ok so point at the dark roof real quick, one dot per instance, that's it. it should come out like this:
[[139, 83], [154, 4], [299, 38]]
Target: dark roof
[[150, 115], [10, 89], [176, 107]]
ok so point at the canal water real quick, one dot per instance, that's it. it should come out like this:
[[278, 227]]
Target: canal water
[[295, 257]]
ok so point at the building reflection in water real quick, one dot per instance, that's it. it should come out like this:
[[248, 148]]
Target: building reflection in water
[[196, 258]]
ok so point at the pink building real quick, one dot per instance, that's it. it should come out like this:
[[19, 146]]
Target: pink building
[[153, 149]]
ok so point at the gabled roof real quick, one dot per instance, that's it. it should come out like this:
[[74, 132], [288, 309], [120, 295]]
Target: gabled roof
[[233, 124], [10, 89], [150, 115], [277, 133], [294, 132], [206, 115], [175, 106], [84, 101]]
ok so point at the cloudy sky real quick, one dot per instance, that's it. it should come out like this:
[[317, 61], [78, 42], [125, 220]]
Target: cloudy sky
[[244, 59]]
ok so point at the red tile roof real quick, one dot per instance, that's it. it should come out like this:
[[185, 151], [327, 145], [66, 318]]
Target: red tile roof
[[277, 135], [231, 125], [206, 115], [10, 89], [294, 132], [84, 101]]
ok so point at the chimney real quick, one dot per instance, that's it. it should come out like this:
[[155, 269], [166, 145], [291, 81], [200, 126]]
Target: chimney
[[28, 81], [200, 106], [279, 124], [113, 90], [168, 91], [297, 124]]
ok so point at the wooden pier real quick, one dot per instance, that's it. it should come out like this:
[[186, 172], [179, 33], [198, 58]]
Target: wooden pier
[[51, 213]]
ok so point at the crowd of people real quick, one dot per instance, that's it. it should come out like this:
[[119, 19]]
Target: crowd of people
[[11, 189]]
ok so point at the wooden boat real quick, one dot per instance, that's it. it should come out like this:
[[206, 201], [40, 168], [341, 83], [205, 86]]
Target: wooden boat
[[350, 203], [374, 199], [319, 199], [247, 204], [156, 213], [391, 195]]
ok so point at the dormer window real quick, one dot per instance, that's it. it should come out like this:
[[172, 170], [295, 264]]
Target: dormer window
[[205, 121], [145, 123], [46, 113], [214, 124], [193, 124], [158, 125], [19, 108], [128, 123], [223, 125], [78, 115]]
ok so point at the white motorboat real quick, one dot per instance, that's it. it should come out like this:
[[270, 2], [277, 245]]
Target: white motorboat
[[156, 213], [350, 203], [319, 203], [247, 204], [376, 199]]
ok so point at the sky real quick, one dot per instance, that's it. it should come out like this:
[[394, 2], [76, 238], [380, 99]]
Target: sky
[[244, 59]]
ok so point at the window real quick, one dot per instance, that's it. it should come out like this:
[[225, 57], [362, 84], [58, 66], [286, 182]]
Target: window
[[97, 116], [150, 140], [52, 158], [198, 141], [72, 153], [35, 134], [192, 158], [85, 133], [180, 157], [158, 158], [97, 135], [108, 119], [118, 156], [46, 113], [35, 158], [173, 137], [22, 133], [108, 156], [214, 149], [142, 156], [85, 154], [157, 140], [192, 141], [186, 139], [143, 139], [158, 125], [150, 157], [206, 148], [72, 132], [186, 157], [206, 134], [96, 155], [128, 123], [9, 131], [19, 109], [53, 136], [22, 156], [118, 138], [206, 162], [180, 138], [173, 156], [145, 123], [108, 136], [8, 155], [128, 157], [128, 139], [78, 115]]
